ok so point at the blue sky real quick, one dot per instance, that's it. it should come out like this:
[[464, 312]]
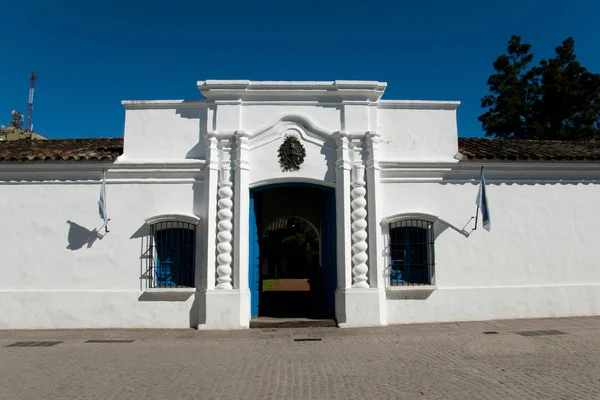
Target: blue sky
[[90, 55]]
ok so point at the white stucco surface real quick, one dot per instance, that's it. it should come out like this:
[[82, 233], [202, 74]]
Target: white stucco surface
[[169, 132], [539, 260], [319, 161], [201, 158], [426, 133], [258, 117], [59, 273]]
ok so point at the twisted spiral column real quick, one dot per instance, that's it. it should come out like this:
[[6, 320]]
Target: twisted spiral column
[[359, 230], [224, 235]]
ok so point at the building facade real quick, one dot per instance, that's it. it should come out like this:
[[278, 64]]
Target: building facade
[[197, 192]]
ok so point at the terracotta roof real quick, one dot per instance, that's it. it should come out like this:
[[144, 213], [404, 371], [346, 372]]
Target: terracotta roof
[[61, 150], [476, 149]]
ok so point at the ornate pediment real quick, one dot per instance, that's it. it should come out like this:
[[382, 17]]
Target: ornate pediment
[[296, 125]]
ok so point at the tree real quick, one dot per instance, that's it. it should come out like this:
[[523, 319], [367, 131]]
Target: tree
[[569, 97], [556, 100], [513, 88]]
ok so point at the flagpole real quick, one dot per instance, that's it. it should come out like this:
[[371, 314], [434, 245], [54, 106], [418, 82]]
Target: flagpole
[[477, 213], [105, 202]]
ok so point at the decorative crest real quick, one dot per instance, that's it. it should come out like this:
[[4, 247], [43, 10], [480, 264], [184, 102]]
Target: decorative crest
[[291, 154]]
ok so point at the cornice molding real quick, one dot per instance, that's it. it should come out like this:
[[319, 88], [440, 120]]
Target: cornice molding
[[330, 93], [162, 104], [417, 162], [221, 136], [418, 105], [292, 91], [332, 102], [91, 173], [157, 162], [495, 173]]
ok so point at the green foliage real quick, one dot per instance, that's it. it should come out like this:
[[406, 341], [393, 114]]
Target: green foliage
[[559, 99], [298, 233], [303, 235], [268, 284]]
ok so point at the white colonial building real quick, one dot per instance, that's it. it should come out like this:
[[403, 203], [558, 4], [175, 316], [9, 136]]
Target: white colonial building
[[364, 207]]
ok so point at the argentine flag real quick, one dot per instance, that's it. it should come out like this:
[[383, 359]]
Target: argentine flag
[[102, 201], [482, 203]]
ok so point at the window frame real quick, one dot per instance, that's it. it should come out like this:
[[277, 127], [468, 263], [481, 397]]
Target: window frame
[[183, 236], [416, 220]]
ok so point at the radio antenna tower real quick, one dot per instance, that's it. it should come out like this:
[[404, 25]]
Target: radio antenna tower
[[33, 78]]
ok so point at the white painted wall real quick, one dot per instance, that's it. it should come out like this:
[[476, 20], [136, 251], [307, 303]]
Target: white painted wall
[[54, 277], [257, 117], [410, 130], [417, 134], [318, 165], [539, 260], [170, 131]]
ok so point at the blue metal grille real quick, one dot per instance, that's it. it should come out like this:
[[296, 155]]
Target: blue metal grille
[[411, 252], [173, 252]]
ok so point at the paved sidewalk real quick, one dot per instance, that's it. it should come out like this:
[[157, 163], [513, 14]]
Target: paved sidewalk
[[515, 359]]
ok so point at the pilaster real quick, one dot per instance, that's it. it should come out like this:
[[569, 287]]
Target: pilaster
[[376, 261], [359, 228], [342, 199], [206, 279], [224, 227], [226, 303], [364, 304], [241, 211]]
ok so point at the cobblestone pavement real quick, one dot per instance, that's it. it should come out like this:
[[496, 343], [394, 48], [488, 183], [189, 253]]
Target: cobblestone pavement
[[524, 359]]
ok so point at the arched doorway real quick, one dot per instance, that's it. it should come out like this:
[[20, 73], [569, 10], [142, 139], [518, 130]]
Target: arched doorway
[[290, 269], [292, 251]]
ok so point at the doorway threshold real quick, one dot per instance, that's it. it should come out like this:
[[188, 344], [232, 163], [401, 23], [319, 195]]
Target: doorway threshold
[[269, 322]]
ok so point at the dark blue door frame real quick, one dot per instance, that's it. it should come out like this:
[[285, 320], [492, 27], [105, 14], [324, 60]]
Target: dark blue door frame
[[328, 248], [254, 255], [329, 251]]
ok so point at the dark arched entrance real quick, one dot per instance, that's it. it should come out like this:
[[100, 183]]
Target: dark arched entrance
[[292, 251]]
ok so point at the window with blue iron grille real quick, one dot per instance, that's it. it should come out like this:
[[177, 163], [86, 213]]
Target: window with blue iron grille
[[411, 252], [172, 251]]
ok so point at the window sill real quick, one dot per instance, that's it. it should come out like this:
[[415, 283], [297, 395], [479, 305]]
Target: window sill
[[167, 294], [417, 292], [412, 288], [171, 290]]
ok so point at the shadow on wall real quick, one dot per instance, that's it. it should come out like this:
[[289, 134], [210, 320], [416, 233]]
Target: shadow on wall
[[143, 234], [416, 292], [329, 152], [199, 113], [79, 236]]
